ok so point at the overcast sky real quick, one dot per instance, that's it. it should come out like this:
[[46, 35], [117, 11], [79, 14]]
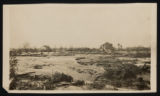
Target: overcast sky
[[80, 25]]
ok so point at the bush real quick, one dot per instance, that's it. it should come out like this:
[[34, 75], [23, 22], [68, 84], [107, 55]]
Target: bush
[[121, 75], [49, 85], [121, 71], [79, 83], [142, 55], [97, 85], [141, 84], [58, 77], [78, 58], [145, 69], [13, 84], [13, 68], [38, 67]]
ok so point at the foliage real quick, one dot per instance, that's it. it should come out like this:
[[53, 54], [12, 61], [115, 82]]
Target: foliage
[[47, 48], [13, 66], [37, 67], [58, 77], [140, 48], [107, 47], [79, 83], [104, 48], [97, 85], [141, 84], [121, 71], [13, 84], [142, 54]]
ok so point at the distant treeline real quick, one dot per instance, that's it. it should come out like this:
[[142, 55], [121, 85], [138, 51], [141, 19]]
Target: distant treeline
[[19, 50], [106, 48], [138, 49], [135, 52]]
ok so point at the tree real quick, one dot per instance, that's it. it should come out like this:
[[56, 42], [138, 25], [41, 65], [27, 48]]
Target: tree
[[47, 48], [107, 48], [35, 50]]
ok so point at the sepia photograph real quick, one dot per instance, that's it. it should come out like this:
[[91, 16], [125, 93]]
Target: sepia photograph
[[80, 48]]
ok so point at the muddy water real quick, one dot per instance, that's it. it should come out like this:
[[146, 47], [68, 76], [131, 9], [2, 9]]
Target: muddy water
[[63, 64]]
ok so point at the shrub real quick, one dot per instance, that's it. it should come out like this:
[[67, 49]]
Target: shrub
[[78, 58], [145, 69], [58, 77], [13, 67], [37, 67], [142, 55], [79, 83], [121, 71], [121, 75], [13, 84], [141, 84], [49, 85], [97, 85]]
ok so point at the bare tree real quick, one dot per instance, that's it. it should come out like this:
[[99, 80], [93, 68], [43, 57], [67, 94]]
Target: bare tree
[[120, 46]]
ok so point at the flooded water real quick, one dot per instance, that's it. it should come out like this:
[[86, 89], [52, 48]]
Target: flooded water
[[63, 64]]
